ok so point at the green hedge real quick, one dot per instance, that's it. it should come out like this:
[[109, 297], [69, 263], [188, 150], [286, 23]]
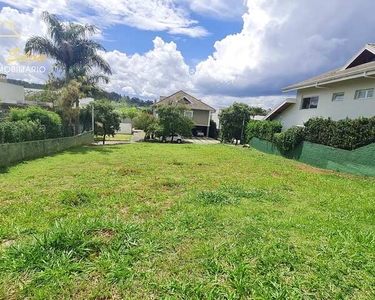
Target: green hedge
[[289, 139], [49, 119], [264, 130], [21, 131], [348, 134]]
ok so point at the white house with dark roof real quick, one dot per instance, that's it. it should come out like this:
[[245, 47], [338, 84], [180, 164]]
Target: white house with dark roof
[[341, 93], [197, 110]]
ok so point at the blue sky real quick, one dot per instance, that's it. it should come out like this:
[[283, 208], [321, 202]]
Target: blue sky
[[219, 50]]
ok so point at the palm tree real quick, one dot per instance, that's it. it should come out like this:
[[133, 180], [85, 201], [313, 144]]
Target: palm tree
[[70, 46]]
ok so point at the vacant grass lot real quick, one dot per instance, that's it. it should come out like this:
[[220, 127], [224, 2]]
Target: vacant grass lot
[[151, 221]]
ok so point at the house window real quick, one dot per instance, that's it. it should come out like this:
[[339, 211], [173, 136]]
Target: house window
[[338, 97], [310, 102], [188, 114], [364, 94]]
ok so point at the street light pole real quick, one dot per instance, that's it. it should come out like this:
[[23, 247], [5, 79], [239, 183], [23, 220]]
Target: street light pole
[[92, 119]]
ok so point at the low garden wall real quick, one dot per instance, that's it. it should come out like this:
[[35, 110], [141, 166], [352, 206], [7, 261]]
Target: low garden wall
[[360, 161], [14, 152]]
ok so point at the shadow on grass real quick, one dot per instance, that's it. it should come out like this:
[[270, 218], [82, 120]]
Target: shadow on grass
[[4, 170], [107, 149]]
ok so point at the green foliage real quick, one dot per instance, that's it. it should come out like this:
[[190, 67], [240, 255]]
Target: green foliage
[[129, 112], [107, 120], [42, 96], [21, 131], [213, 133], [147, 123], [233, 121], [69, 44], [346, 134], [264, 130], [172, 121], [289, 139], [50, 120]]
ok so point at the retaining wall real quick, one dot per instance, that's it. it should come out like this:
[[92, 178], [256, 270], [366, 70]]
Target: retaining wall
[[15, 152], [360, 161]]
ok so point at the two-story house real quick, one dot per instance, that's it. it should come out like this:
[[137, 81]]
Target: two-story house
[[338, 94], [196, 110]]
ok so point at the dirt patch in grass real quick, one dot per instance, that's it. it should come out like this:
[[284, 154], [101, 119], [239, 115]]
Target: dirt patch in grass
[[128, 172], [314, 170], [7, 243], [105, 234]]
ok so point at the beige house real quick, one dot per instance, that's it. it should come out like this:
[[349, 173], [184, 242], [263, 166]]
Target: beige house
[[341, 93], [197, 110]]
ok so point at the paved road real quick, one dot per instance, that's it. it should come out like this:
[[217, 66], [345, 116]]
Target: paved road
[[202, 141]]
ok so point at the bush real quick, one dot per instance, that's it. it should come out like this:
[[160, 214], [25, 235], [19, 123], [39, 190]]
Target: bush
[[21, 131], [344, 134], [289, 139], [213, 132], [49, 119], [264, 130]]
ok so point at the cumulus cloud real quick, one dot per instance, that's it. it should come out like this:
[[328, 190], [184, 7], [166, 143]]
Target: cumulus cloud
[[283, 42], [160, 71], [153, 15], [25, 25], [218, 8]]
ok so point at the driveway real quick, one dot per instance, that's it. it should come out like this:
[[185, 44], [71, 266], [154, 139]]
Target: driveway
[[201, 141]]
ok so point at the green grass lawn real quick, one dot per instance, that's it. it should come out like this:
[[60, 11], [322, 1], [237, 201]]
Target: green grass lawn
[[157, 221], [117, 137]]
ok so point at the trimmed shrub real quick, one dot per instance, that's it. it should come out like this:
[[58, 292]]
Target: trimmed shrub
[[345, 134], [21, 131], [289, 139], [49, 119], [264, 130]]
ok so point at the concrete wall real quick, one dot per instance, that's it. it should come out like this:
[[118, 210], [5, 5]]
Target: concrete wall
[[11, 93], [337, 110], [359, 162], [201, 117], [15, 152], [126, 126]]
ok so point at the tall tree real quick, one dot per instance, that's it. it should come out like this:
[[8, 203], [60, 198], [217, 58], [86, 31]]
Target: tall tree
[[107, 120], [233, 121], [69, 44], [147, 123], [172, 121]]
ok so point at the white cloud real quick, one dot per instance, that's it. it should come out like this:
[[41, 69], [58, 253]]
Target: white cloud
[[26, 25], [218, 8], [160, 71], [281, 43], [274, 46], [225, 101], [153, 15]]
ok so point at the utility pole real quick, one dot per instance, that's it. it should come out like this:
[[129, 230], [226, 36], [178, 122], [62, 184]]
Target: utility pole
[[92, 119]]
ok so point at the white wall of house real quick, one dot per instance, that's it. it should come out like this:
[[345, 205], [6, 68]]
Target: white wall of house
[[126, 126], [11, 93], [337, 110]]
